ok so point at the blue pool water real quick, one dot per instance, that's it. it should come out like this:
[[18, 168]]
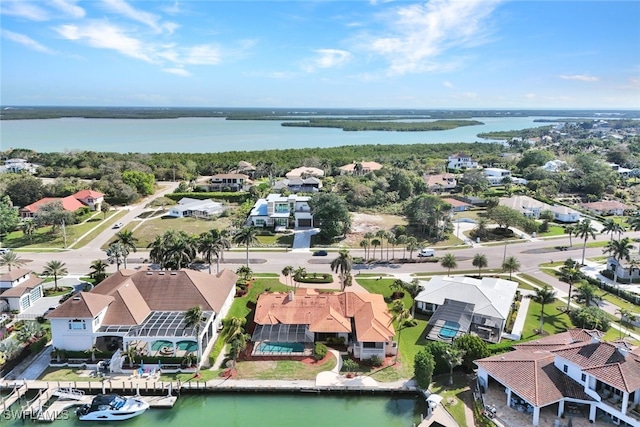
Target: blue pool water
[[281, 347], [449, 330]]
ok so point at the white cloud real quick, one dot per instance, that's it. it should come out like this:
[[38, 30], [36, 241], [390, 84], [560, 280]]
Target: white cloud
[[579, 77], [420, 34], [448, 84], [530, 96], [26, 41], [177, 71], [328, 58], [69, 7], [107, 36], [23, 9], [149, 19], [201, 55]]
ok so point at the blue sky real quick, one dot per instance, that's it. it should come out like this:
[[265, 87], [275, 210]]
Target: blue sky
[[359, 54]]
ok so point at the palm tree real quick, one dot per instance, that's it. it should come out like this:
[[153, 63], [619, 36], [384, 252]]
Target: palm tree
[[342, 266], [364, 244], [481, 227], [584, 229], [382, 236], [193, 318], [543, 296], [396, 286], [511, 264], [11, 259], [625, 314], [413, 288], [298, 275], [570, 229], [56, 269], [234, 335], [393, 241], [208, 247], [157, 250], [448, 261], [412, 245], [246, 236], [105, 208], [480, 261], [454, 357], [611, 226], [400, 315], [286, 272], [98, 271], [375, 243], [402, 241], [587, 293], [237, 345], [180, 249], [116, 252], [244, 273], [571, 274], [620, 250], [128, 241]]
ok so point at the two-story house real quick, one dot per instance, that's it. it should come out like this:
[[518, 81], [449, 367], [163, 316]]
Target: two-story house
[[461, 161], [145, 310], [92, 199], [20, 289], [573, 372], [282, 212], [440, 182], [228, 182]]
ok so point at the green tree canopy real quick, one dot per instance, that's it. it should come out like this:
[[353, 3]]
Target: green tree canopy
[[144, 183], [505, 216], [331, 213], [423, 366], [9, 218]]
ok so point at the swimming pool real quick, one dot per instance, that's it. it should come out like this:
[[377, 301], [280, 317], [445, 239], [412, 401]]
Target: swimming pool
[[280, 347], [449, 330]]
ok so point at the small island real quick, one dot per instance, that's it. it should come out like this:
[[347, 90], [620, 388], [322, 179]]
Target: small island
[[386, 125]]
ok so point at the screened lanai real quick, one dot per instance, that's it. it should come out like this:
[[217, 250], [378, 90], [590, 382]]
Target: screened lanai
[[282, 333]]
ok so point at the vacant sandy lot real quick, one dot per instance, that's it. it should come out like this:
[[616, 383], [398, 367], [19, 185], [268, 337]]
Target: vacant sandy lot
[[364, 223]]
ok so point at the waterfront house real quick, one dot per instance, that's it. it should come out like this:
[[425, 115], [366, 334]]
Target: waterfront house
[[459, 305], [18, 165], [496, 176], [440, 182], [572, 373], [145, 310], [195, 208], [276, 211], [20, 288], [461, 161], [296, 320], [607, 207], [229, 182], [359, 168]]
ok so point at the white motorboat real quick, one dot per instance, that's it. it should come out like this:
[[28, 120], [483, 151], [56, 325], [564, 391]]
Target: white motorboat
[[110, 407]]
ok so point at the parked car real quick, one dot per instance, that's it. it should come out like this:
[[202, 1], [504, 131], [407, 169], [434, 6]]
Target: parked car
[[320, 253], [427, 252], [4, 251], [118, 225]]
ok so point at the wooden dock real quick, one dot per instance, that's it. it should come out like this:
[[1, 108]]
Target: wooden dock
[[14, 396]]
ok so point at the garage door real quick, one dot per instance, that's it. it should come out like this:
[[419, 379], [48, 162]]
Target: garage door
[[304, 223]]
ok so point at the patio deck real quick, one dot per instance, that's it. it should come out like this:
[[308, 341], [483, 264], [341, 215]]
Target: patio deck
[[511, 417]]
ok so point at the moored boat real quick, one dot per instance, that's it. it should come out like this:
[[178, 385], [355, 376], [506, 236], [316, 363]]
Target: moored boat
[[110, 407]]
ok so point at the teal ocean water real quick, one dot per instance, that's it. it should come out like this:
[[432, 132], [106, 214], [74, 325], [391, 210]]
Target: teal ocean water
[[271, 410], [204, 135]]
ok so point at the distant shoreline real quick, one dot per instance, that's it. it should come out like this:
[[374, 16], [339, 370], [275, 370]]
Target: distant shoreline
[[46, 112]]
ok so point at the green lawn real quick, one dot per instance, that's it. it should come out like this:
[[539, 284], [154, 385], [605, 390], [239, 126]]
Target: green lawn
[[276, 239], [554, 320], [554, 230], [112, 216], [149, 229], [454, 395], [42, 238], [283, 369]]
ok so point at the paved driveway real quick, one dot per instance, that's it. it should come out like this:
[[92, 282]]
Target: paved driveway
[[302, 239]]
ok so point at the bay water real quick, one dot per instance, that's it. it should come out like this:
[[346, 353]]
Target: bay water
[[212, 135]]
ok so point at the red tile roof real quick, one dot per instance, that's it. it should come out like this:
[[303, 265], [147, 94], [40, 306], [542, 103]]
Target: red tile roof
[[328, 312], [69, 203], [85, 194]]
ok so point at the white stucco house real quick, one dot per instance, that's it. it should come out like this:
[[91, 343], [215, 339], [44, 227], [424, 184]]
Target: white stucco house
[[276, 211], [459, 305], [146, 310], [532, 208], [461, 161], [188, 207], [20, 288]]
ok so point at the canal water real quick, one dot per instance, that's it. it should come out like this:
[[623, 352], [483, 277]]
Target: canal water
[[270, 410]]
